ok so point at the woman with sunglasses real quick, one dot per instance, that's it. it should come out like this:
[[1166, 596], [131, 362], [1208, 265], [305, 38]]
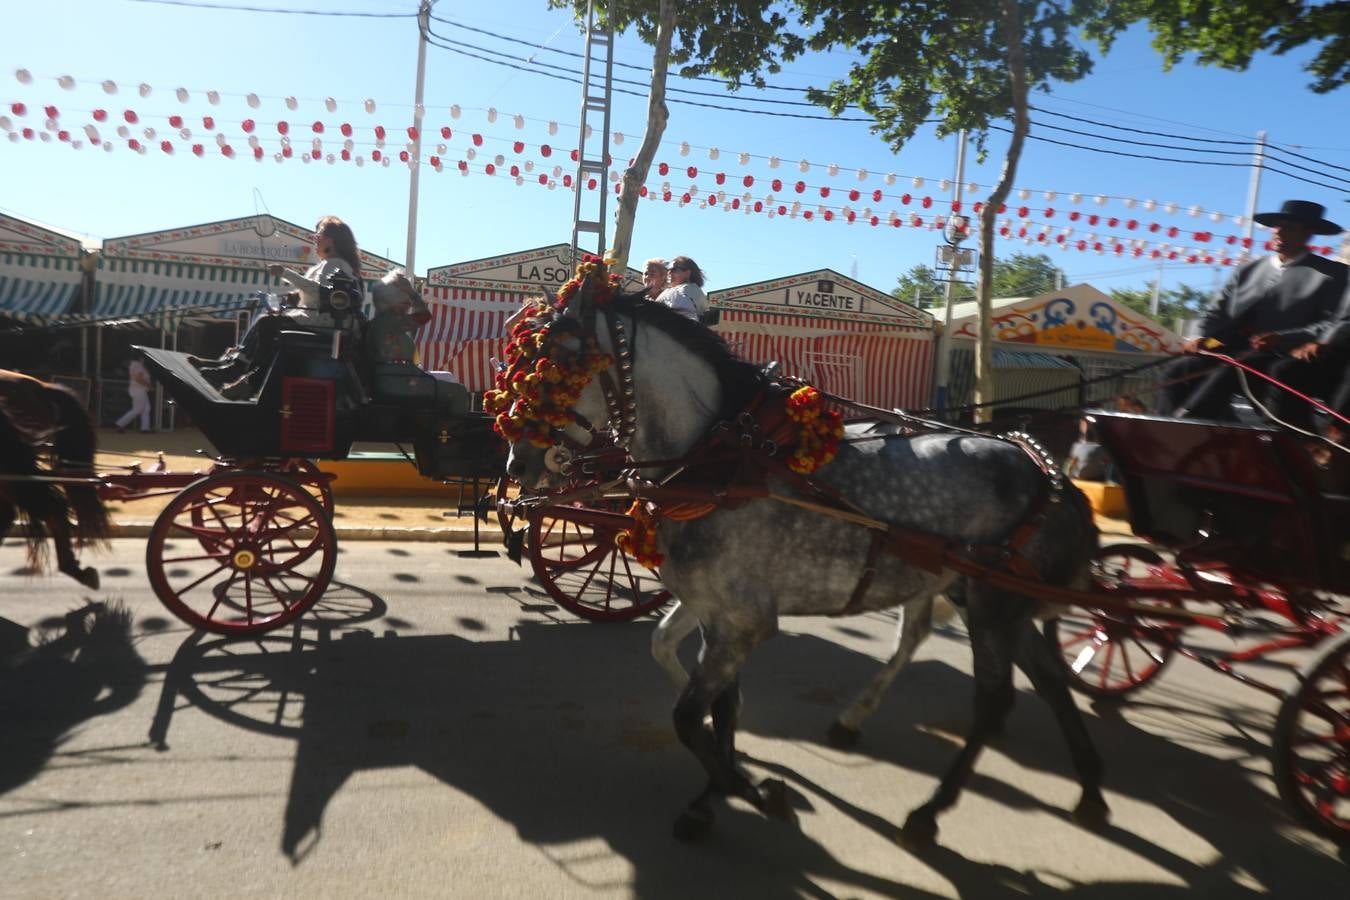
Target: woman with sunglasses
[[685, 294]]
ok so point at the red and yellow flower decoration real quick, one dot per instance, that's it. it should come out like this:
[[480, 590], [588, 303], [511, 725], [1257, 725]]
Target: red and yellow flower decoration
[[639, 540], [604, 285], [535, 393], [821, 430]]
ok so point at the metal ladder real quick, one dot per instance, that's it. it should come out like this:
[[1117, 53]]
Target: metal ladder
[[595, 99]]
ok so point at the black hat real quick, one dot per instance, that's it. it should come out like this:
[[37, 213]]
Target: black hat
[[1302, 211]]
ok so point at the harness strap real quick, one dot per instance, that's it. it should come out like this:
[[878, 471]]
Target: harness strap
[[869, 572]]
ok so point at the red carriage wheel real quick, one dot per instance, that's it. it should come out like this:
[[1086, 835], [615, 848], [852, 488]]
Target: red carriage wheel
[[1108, 654], [1312, 743], [306, 473], [573, 554], [241, 553]]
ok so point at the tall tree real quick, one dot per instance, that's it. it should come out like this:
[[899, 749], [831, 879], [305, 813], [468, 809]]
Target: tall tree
[[738, 40], [922, 287], [1179, 303], [970, 63]]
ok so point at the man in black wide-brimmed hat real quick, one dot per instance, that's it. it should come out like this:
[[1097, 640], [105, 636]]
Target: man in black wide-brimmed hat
[[1288, 313]]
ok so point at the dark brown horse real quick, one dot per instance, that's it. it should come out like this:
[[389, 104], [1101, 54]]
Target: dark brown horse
[[33, 415]]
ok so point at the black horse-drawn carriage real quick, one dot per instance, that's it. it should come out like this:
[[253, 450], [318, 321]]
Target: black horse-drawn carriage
[[251, 546]]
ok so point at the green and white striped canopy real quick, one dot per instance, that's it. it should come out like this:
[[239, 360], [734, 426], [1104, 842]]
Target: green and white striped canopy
[[37, 288]]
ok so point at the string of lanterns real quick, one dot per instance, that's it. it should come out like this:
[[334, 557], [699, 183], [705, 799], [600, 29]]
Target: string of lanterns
[[516, 169], [289, 138], [370, 107]]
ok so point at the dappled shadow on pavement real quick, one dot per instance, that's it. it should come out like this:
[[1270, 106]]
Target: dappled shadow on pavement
[[563, 732]]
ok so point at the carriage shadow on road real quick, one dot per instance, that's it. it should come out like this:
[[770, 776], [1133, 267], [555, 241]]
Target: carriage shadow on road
[[564, 732]]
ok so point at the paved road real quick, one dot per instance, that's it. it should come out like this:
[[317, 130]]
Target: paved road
[[441, 730]]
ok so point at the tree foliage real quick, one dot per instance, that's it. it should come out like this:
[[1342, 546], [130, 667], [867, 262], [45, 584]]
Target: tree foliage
[[738, 40], [1181, 302], [1230, 35], [1022, 275], [945, 63]]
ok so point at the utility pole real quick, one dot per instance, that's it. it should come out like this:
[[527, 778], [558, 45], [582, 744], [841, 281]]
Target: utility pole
[[954, 238], [1157, 292], [423, 25], [1253, 189]]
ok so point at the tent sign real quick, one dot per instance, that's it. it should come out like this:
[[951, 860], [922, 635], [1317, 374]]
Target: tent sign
[[823, 297]]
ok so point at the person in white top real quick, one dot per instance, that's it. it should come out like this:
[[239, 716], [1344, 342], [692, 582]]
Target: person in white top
[[654, 278], [138, 387], [335, 245], [336, 248], [685, 294]]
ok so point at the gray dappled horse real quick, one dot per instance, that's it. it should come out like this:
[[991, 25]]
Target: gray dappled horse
[[739, 569]]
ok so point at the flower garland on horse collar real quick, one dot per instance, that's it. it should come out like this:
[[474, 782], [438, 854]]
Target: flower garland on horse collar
[[542, 381], [821, 430]]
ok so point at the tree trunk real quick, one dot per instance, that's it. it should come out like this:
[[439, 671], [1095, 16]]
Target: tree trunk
[[657, 116], [984, 348]]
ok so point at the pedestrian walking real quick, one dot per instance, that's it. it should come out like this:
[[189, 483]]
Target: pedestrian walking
[[138, 387]]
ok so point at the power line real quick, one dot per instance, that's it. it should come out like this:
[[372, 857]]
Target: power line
[[449, 43], [1190, 149], [1192, 162], [193, 4], [574, 77]]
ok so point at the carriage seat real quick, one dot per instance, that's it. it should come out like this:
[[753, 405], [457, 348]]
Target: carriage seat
[[406, 383]]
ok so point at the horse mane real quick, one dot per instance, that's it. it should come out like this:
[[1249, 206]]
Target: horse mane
[[740, 379]]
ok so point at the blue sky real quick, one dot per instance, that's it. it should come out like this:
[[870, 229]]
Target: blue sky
[[355, 59]]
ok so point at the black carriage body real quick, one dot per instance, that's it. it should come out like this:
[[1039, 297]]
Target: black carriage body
[[1246, 497], [315, 404]]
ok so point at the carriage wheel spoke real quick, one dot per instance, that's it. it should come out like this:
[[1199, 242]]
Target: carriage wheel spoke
[[216, 571], [1106, 664]]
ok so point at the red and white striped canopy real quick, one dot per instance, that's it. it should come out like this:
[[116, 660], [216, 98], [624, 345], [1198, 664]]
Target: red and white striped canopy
[[876, 364]]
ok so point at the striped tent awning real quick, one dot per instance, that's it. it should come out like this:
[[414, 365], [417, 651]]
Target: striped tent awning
[[466, 331], [36, 288], [876, 364], [161, 290]]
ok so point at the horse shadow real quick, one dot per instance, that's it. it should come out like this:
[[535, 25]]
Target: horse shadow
[[564, 732], [1216, 795], [87, 667]]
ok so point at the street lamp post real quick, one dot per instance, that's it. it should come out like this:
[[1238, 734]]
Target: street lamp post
[[954, 260]]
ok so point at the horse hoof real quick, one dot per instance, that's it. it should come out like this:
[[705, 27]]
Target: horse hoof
[[88, 577], [1092, 813], [842, 737], [693, 825], [777, 801], [919, 834]]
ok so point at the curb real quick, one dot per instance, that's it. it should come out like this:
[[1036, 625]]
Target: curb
[[487, 537]]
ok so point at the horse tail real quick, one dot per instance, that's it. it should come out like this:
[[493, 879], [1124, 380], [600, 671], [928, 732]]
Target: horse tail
[[32, 502], [74, 444]]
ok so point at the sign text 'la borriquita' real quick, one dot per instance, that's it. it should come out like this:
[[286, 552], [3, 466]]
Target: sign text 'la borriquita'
[[823, 297]]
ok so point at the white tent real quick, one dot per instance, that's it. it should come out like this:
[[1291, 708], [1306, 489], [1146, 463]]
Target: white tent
[[836, 333], [40, 274], [202, 270], [470, 302]]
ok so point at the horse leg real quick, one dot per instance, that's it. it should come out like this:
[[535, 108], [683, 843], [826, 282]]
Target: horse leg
[[714, 688], [912, 629], [65, 555], [1037, 659], [675, 626], [994, 621]]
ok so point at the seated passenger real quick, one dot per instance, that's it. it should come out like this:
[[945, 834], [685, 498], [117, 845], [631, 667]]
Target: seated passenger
[[238, 372], [399, 312], [1283, 309]]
